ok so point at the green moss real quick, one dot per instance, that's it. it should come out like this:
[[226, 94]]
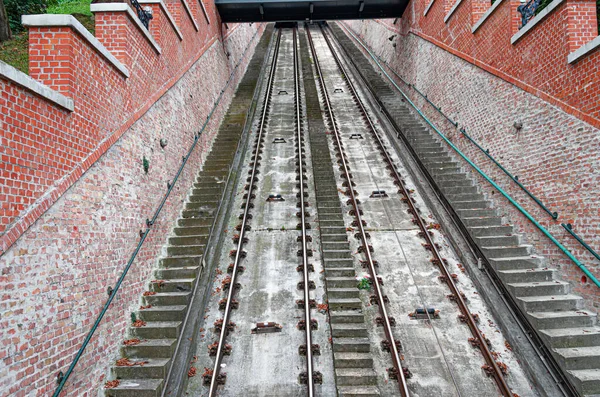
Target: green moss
[[70, 7]]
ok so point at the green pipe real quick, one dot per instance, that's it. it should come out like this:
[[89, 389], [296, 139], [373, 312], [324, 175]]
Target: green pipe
[[483, 174]]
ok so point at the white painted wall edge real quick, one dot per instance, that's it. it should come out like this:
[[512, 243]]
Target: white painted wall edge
[[167, 13], [534, 21], [43, 20], [454, 7], [485, 16], [16, 76], [428, 7], [189, 12], [584, 50], [124, 7]]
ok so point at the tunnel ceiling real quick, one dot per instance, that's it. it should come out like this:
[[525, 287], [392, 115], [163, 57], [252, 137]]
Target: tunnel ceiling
[[298, 10]]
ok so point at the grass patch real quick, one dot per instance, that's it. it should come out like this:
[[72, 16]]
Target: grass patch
[[15, 52], [71, 7]]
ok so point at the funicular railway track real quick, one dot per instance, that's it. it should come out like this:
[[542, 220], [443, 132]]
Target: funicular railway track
[[307, 323]]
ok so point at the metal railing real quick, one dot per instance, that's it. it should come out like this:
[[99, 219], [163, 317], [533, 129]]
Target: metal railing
[[513, 202], [112, 292], [144, 15], [528, 10]]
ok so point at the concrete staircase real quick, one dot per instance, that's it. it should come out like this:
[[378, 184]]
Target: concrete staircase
[[164, 305], [353, 361], [569, 331]]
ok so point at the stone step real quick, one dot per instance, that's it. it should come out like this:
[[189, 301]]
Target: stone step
[[157, 330], [336, 254], [572, 337], [332, 222], [341, 282], [465, 196], [353, 360], [565, 319], [334, 237], [342, 293], [335, 246], [354, 345], [517, 262], [345, 304], [189, 240], [476, 213], [587, 381], [204, 205], [177, 272], [167, 299], [550, 303], [358, 391], [198, 213], [192, 230], [484, 221], [349, 330], [185, 250], [539, 288], [330, 263], [526, 275], [335, 230], [172, 285], [508, 251], [329, 217], [340, 272], [346, 316], [498, 241], [154, 348], [162, 313], [453, 189], [180, 261], [465, 205], [483, 231], [136, 388], [579, 358], [195, 222], [355, 376], [152, 368]]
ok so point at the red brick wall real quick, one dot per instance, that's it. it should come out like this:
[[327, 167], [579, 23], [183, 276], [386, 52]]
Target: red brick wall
[[555, 155], [46, 149], [75, 184]]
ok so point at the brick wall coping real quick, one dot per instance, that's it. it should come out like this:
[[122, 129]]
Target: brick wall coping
[[584, 50], [428, 7], [43, 20], [124, 7], [16, 76], [189, 12], [167, 13], [534, 21], [447, 17], [485, 16]]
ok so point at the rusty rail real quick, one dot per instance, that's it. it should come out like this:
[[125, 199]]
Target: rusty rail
[[437, 257], [215, 380], [399, 372]]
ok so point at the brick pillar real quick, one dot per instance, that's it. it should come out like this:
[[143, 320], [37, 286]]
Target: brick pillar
[[582, 22], [51, 57], [175, 8], [159, 19], [515, 16], [478, 8], [112, 31]]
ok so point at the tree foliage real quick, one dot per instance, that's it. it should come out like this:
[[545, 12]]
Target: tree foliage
[[16, 8]]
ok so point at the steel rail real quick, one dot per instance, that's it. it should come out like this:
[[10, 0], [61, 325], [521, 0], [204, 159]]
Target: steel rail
[[498, 376], [62, 378], [228, 305], [305, 266], [371, 265], [511, 200]]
